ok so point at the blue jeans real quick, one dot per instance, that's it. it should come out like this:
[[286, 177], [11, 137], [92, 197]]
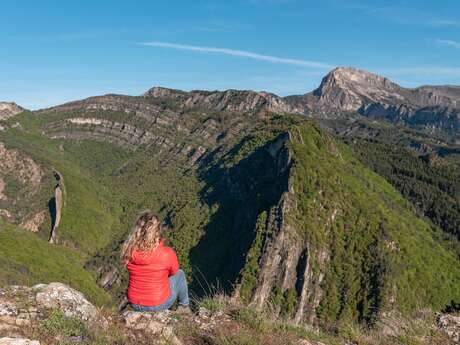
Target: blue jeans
[[179, 289]]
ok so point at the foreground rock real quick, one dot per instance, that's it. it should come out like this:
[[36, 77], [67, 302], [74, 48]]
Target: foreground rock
[[21, 306], [23, 309], [8, 109], [451, 325], [160, 325], [71, 302]]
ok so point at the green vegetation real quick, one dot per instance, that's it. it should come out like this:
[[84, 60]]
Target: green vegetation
[[27, 259], [429, 182], [58, 324], [368, 251], [251, 267], [286, 301], [379, 254], [89, 219]]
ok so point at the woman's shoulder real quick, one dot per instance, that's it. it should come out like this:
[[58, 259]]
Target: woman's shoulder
[[165, 249]]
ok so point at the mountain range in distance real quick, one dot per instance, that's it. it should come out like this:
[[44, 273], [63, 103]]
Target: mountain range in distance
[[344, 90]]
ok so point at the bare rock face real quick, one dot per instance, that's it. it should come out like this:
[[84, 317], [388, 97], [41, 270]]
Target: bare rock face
[[9, 109], [22, 171], [33, 223], [229, 100], [163, 92], [23, 167], [348, 89], [451, 325], [344, 90], [170, 122], [286, 260]]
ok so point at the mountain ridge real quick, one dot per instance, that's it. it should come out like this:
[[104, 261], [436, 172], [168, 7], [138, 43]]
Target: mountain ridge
[[232, 167], [343, 92], [9, 109], [345, 78]]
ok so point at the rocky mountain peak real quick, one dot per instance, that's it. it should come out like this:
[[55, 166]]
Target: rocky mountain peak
[[349, 75], [163, 92], [8, 109], [348, 89]]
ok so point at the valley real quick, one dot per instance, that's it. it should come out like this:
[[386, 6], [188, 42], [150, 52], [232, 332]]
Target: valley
[[340, 205]]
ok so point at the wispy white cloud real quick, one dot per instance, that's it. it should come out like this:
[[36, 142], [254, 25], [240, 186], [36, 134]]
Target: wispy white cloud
[[450, 43], [445, 22], [240, 53]]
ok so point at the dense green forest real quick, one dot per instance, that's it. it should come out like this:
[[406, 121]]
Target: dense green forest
[[364, 239], [430, 182]]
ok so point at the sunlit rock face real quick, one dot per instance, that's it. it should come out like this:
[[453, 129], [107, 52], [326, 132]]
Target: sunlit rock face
[[349, 91], [8, 109]]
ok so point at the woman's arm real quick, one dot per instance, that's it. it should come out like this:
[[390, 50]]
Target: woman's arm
[[173, 262]]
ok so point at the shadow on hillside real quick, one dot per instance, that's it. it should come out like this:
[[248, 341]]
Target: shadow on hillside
[[52, 211], [240, 191]]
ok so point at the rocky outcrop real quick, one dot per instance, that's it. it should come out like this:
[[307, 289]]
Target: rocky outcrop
[[229, 100], [280, 252], [158, 325], [71, 302], [349, 90], [21, 306], [450, 324], [173, 132], [24, 311], [176, 123], [286, 264], [34, 222], [286, 258], [9, 109], [20, 166]]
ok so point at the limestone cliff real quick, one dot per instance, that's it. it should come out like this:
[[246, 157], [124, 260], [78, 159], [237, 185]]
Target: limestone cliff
[[350, 90], [9, 109], [332, 241]]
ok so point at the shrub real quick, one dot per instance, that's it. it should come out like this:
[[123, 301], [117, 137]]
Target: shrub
[[57, 323]]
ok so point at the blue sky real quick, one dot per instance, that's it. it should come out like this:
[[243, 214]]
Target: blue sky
[[57, 51]]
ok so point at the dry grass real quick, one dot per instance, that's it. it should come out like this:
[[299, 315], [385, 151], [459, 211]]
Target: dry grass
[[228, 322]]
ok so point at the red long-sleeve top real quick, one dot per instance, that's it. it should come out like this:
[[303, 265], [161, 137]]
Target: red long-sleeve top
[[148, 275]]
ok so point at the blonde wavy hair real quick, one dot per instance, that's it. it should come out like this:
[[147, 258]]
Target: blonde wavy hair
[[145, 236]]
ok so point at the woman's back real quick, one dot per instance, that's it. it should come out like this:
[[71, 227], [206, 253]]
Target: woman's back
[[148, 275]]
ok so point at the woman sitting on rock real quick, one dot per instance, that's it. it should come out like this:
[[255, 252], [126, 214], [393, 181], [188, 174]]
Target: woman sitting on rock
[[155, 280]]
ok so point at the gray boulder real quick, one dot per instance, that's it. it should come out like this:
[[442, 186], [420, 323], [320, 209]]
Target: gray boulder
[[21, 305]]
